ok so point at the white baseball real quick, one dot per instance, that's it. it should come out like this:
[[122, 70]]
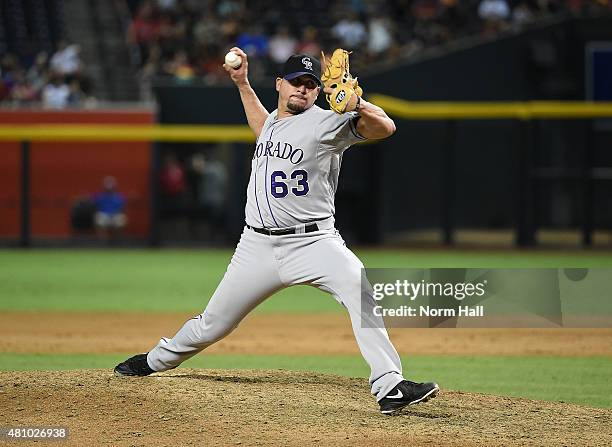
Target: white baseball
[[233, 60]]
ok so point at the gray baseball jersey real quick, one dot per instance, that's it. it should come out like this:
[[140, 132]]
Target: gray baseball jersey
[[294, 176], [295, 167]]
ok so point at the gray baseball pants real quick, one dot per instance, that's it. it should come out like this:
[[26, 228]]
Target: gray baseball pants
[[261, 266]]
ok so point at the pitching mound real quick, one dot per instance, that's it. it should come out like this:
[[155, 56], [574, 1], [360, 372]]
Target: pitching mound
[[238, 407]]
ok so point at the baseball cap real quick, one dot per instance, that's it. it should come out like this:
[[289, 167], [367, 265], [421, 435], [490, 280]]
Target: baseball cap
[[302, 64]]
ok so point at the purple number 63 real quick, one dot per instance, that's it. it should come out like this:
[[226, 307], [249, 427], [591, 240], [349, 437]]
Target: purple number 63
[[280, 189]]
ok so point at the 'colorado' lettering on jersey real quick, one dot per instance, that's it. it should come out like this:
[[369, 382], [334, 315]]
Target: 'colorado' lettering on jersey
[[279, 150], [295, 167]]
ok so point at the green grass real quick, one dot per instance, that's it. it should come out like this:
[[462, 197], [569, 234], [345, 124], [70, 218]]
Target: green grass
[[183, 280], [577, 380]]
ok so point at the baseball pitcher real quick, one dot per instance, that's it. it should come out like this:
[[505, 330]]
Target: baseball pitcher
[[289, 236]]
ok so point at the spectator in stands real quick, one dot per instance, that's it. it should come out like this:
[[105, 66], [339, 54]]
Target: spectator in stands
[[180, 67], [166, 5], [522, 15], [23, 92], [309, 43], [211, 183], [150, 69], [282, 45], [380, 37], [212, 68], [38, 73], [456, 16], [253, 41], [229, 8], [350, 31], [428, 29], [37, 81], [66, 61], [173, 179], [56, 93], [76, 97], [9, 65], [206, 31], [175, 195], [172, 35], [110, 218], [495, 14], [144, 29], [210, 178]]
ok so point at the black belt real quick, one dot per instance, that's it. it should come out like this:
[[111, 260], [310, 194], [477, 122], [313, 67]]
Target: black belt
[[309, 228]]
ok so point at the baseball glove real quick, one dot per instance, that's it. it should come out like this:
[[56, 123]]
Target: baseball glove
[[345, 93]]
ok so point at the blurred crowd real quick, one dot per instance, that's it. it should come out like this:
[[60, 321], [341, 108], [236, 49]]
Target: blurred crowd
[[187, 39], [195, 185], [54, 81]]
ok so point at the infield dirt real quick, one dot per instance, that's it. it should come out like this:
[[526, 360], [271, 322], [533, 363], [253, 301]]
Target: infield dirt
[[276, 408], [291, 334], [216, 407]]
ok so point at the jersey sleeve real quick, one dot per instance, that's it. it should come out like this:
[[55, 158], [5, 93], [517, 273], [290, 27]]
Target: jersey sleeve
[[339, 132]]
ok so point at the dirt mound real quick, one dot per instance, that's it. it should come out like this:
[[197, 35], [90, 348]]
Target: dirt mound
[[246, 407]]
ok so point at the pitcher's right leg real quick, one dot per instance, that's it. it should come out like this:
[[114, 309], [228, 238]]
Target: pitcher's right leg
[[251, 277]]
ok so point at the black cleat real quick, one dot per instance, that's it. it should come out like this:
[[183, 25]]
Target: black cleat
[[134, 366], [407, 393]]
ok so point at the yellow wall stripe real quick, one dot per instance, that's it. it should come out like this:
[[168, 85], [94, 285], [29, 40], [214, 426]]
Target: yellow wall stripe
[[491, 110], [395, 107], [116, 132]]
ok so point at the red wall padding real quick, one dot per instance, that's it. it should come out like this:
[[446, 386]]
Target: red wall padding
[[61, 172]]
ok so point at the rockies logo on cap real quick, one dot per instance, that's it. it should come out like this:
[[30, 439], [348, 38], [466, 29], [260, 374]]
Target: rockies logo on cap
[[307, 63], [302, 64]]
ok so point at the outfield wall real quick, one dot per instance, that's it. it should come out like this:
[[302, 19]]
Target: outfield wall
[[62, 172]]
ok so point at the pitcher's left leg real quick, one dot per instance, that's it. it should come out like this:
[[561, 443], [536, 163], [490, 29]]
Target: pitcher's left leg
[[325, 262]]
